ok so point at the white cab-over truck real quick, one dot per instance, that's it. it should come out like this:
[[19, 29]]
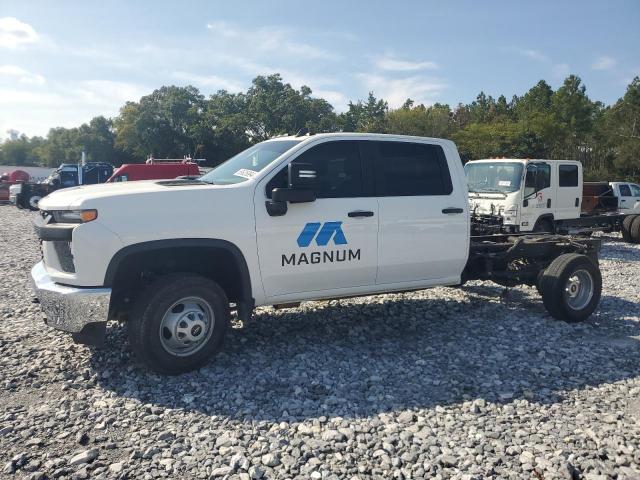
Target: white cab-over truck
[[287, 220], [509, 195]]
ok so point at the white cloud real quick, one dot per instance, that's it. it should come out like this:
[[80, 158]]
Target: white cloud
[[214, 82], [390, 63], [22, 75], [561, 70], [64, 104], [268, 39], [108, 93], [337, 99], [604, 63], [14, 33], [396, 90], [12, 96], [533, 54], [223, 28]]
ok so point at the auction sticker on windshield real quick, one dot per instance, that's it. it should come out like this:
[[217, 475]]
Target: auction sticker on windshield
[[245, 173], [504, 183]]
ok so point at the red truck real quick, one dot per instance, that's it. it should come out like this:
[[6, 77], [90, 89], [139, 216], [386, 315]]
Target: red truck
[[155, 170], [11, 178]]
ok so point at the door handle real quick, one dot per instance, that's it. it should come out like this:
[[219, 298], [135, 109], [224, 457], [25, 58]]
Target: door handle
[[548, 203], [360, 213], [451, 210]]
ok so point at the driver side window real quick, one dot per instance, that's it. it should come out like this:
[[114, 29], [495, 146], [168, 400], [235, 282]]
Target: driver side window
[[530, 181], [538, 178], [338, 170]]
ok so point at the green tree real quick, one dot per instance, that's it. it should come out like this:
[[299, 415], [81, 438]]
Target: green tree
[[369, 116], [622, 123], [163, 123], [434, 121], [276, 108]]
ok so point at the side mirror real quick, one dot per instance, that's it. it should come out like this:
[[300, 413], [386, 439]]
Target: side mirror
[[281, 197], [293, 195], [302, 176]]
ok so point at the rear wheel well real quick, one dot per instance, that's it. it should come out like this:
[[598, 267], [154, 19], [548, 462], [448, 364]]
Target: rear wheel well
[[135, 270]]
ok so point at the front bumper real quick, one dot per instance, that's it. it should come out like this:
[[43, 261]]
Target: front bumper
[[69, 308]]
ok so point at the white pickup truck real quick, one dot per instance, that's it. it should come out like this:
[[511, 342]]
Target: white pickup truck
[[510, 195], [287, 220]]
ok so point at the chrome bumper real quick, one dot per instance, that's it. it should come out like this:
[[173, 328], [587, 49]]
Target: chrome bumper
[[69, 308]]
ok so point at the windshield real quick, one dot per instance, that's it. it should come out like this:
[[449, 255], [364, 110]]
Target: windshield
[[246, 164], [498, 177]]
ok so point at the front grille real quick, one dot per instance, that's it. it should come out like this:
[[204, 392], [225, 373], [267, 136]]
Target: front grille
[[65, 257]]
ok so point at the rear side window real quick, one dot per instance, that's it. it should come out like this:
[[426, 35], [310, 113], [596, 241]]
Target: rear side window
[[568, 175], [625, 191], [411, 169], [635, 189], [338, 168]]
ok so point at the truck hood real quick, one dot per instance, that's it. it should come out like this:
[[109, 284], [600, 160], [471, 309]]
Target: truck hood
[[86, 195]]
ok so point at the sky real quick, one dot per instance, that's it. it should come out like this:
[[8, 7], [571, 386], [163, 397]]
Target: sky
[[64, 62]]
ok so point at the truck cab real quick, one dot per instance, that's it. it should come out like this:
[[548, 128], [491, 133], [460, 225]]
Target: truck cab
[[524, 195], [628, 195], [29, 194]]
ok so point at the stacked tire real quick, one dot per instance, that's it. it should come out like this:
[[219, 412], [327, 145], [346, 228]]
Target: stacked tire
[[631, 229]]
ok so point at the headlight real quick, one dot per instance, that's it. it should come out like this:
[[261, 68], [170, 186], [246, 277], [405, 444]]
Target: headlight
[[74, 216], [511, 210]]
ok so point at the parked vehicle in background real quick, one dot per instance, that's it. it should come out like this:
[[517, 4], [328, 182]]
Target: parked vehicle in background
[[11, 178], [519, 196], [304, 218], [27, 195], [155, 170], [524, 195], [628, 195], [12, 175]]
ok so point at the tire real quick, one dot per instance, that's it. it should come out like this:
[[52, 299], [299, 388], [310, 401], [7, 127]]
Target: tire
[[32, 203], [626, 228], [634, 230], [544, 225], [571, 287], [158, 321]]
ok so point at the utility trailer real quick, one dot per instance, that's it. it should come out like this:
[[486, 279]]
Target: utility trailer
[[564, 269]]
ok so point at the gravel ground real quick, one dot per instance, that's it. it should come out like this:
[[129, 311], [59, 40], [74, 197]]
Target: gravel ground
[[443, 383]]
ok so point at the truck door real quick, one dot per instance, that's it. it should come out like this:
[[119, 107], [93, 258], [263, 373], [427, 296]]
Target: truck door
[[626, 199], [569, 191], [424, 224], [538, 193], [324, 245]]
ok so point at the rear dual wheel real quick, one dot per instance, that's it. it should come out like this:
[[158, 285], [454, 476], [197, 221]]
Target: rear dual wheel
[[631, 229], [571, 287]]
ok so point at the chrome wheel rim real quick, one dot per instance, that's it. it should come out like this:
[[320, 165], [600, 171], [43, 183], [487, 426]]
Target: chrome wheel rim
[[578, 290], [186, 326], [33, 201]]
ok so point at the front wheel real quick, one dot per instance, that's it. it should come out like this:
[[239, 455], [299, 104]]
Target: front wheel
[[33, 202], [571, 287], [178, 323]]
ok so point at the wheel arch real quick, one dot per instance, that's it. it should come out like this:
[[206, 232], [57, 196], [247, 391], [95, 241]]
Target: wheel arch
[[217, 259]]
